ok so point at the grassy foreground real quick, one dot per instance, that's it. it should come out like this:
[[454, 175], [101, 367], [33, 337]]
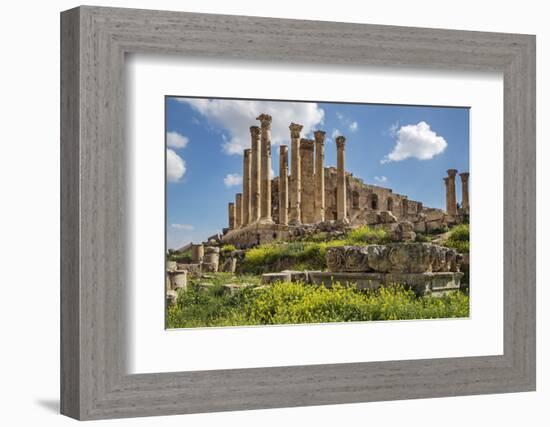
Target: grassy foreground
[[293, 303]]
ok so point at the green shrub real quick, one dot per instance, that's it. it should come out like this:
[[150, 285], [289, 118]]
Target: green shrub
[[179, 256], [227, 249], [365, 235], [439, 230], [294, 303], [459, 238], [423, 238]]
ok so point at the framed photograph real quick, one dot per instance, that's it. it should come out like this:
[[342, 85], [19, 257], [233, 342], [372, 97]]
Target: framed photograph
[[261, 213]]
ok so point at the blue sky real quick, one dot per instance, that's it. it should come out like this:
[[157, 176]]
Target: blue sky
[[406, 148]]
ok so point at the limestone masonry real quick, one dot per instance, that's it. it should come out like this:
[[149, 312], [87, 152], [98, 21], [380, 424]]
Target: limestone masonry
[[277, 208]]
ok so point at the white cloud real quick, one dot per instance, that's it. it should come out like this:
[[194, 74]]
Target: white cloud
[[416, 141], [176, 140], [393, 129], [381, 179], [175, 166], [352, 125], [232, 180], [187, 227], [236, 117], [335, 133]]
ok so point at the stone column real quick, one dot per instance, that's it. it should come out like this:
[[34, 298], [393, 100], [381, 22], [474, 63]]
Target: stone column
[[265, 191], [341, 207], [255, 180], [238, 210], [319, 175], [197, 253], [464, 176], [451, 189], [295, 183], [246, 187], [446, 181], [404, 207], [231, 215], [283, 185], [307, 181]]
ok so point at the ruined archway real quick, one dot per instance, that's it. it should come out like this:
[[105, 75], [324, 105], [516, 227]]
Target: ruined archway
[[372, 201]]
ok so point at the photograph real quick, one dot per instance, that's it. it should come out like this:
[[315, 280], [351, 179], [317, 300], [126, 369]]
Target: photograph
[[286, 212]]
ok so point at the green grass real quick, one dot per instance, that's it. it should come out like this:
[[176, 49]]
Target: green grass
[[294, 303], [459, 238], [366, 235], [178, 256], [305, 255]]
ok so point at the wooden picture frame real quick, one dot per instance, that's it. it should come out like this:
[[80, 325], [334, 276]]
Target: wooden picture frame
[[94, 41]]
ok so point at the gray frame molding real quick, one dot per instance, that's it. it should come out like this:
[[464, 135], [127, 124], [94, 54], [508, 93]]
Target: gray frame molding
[[94, 383]]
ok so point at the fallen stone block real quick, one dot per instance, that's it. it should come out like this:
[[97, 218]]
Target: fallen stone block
[[178, 279], [193, 269], [393, 258], [422, 284], [210, 267], [268, 278]]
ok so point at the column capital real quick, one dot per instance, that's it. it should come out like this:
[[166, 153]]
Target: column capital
[[319, 136], [295, 130], [247, 152], [306, 144], [340, 142], [255, 131], [283, 148], [265, 120], [464, 176], [452, 173]]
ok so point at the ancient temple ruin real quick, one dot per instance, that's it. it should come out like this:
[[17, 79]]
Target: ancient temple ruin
[[308, 192]]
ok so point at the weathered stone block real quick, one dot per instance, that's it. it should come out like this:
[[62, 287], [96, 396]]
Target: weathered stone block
[[360, 280], [394, 258], [268, 278], [435, 284], [192, 269], [171, 297], [386, 217], [210, 267], [179, 279], [372, 218], [230, 265], [297, 275], [171, 265]]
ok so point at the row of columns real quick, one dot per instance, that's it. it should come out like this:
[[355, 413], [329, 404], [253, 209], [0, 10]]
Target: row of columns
[[302, 194], [450, 192]]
